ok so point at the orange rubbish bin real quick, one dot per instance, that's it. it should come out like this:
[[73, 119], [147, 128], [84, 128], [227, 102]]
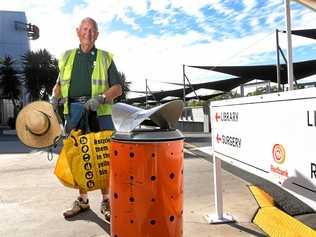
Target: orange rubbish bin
[[146, 183]]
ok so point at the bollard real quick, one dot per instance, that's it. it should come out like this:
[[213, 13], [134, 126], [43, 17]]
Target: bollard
[[146, 183]]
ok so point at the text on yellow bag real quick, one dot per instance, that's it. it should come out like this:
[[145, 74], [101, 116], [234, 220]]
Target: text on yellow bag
[[88, 157]]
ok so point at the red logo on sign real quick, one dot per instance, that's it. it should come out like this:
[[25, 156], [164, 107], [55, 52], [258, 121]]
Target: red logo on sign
[[218, 139], [278, 153], [279, 171], [217, 117]]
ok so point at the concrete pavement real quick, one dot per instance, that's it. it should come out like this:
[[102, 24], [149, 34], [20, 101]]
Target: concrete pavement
[[32, 199]]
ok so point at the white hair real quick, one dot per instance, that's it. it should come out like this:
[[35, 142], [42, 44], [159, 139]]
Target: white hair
[[90, 20]]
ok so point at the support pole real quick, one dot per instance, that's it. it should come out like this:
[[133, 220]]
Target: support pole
[[219, 216], [185, 109], [146, 94], [183, 72], [218, 187], [278, 59], [207, 115], [289, 44], [242, 90]]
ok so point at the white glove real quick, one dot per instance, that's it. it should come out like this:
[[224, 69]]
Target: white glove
[[94, 103]]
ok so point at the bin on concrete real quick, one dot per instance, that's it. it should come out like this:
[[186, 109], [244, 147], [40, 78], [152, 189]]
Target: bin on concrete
[[146, 172]]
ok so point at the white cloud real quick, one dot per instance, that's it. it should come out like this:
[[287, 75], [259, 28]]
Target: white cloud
[[161, 21], [249, 5], [192, 9], [159, 6], [220, 7], [255, 23], [160, 57], [307, 19]]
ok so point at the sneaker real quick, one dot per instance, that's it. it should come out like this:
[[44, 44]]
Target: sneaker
[[105, 209], [78, 206]]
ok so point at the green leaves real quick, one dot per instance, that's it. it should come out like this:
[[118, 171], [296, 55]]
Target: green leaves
[[10, 82], [40, 70]]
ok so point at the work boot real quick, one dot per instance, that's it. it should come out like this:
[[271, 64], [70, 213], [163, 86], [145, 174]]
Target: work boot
[[78, 206], [105, 210]]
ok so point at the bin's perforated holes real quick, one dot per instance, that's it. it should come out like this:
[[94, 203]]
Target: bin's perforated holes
[[181, 171], [131, 154], [152, 222], [153, 200], [132, 199], [131, 177], [153, 155], [131, 221], [115, 195], [115, 174], [153, 178], [115, 152], [172, 153], [181, 212], [171, 196], [115, 236], [171, 218], [171, 176]]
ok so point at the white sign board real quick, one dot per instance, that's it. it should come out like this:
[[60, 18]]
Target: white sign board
[[272, 136]]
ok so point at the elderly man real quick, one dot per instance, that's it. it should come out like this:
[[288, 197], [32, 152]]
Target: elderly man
[[88, 78]]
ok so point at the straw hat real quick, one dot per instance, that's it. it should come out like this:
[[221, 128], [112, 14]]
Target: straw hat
[[37, 125]]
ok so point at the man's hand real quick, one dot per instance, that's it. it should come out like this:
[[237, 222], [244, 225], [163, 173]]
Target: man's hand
[[94, 103], [56, 92]]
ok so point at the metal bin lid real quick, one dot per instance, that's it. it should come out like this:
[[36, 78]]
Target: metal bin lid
[[127, 121], [127, 117]]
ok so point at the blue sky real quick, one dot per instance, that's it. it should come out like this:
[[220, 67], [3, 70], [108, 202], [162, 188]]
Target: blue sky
[[152, 39]]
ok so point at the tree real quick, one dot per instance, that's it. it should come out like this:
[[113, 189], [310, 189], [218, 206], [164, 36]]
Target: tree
[[40, 73], [263, 90], [125, 88], [196, 103], [9, 82], [227, 95]]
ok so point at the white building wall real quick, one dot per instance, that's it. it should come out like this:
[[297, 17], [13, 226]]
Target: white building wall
[[13, 41]]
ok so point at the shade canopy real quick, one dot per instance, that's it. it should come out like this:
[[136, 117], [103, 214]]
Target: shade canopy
[[222, 85], [266, 72], [309, 33], [157, 96]]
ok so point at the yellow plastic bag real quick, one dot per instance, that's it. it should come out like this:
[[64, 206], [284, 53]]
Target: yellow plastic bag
[[63, 168], [84, 161]]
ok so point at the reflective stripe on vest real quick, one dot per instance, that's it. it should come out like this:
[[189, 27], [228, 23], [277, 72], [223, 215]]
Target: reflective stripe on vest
[[99, 78]]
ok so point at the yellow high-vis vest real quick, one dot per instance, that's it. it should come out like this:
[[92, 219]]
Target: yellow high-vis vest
[[99, 78]]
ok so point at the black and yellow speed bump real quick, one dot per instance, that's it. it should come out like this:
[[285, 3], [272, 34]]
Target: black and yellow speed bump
[[275, 222]]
